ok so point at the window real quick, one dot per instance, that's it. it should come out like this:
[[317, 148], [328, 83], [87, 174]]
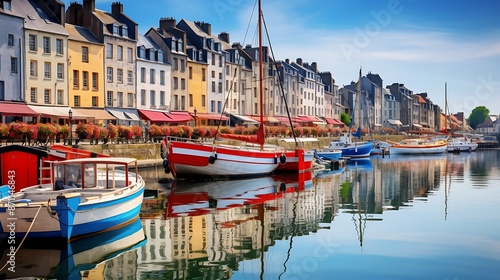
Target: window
[[212, 106], [46, 96], [190, 69], [116, 29], [130, 77], [176, 64], [119, 97], [109, 98], [130, 99], [11, 40], [143, 97], [13, 65], [109, 51], [60, 71], [162, 77], [59, 47], [119, 51], [213, 74], [119, 76], [95, 81], [183, 66], [219, 106], [32, 43], [190, 100], [183, 83], [162, 98], [203, 78], [46, 45], [152, 75], [109, 74], [213, 86], [85, 79], [213, 61], [160, 56], [85, 54], [60, 94], [176, 83], [75, 79], [33, 68], [143, 75], [176, 102], [76, 100], [220, 87], [125, 31], [95, 101], [152, 97], [33, 95], [46, 70], [7, 5], [130, 58], [203, 100]]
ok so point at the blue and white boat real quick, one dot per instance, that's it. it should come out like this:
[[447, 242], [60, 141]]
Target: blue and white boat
[[328, 153], [350, 148], [84, 196]]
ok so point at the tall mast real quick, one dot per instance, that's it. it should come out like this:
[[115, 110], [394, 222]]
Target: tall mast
[[358, 101], [260, 66], [446, 107]]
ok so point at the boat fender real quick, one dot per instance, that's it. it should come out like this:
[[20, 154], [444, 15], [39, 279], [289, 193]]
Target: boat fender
[[163, 149], [275, 159], [212, 159], [282, 187], [283, 159], [165, 163], [167, 170]]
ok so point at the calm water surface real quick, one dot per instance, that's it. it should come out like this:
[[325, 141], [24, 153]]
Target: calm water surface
[[398, 217]]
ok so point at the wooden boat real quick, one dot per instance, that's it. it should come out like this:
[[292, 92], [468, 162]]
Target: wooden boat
[[186, 158], [419, 146], [85, 196]]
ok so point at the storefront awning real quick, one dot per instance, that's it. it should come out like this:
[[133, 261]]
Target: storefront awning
[[266, 119], [98, 114], [395, 122], [244, 118], [124, 114], [215, 117], [333, 121], [154, 116], [58, 111], [178, 116], [16, 109]]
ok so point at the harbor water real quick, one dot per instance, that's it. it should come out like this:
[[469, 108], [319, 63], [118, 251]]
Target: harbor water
[[392, 217]]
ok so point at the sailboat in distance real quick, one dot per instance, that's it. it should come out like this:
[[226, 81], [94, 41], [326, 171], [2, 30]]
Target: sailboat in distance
[[349, 147], [186, 158]]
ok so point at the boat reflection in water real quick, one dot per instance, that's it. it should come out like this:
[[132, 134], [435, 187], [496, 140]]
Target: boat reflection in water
[[209, 227], [90, 257]]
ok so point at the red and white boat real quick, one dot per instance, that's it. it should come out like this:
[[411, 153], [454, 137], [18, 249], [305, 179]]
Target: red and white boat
[[186, 158]]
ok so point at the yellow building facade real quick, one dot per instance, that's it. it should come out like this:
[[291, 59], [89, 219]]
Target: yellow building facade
[[197, 88], [85, 69]]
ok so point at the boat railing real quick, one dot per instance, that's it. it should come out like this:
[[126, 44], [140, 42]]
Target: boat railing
[[103, 193]]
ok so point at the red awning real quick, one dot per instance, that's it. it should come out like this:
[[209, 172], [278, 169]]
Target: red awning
[[16, 109], [154, 116], [333, 121], [179, 117], [216, 117]]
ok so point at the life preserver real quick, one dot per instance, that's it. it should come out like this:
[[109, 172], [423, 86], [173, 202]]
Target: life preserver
[[163, 149]]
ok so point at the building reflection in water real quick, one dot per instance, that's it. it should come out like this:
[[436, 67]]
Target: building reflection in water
[[208, 229]]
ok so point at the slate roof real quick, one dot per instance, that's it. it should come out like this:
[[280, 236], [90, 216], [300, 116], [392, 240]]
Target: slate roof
[[82, 34], [36, 18]]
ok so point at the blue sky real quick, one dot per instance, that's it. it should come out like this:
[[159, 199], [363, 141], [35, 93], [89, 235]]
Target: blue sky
[[422, 44]]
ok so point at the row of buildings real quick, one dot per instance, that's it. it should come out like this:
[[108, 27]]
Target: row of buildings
[[96, 63]]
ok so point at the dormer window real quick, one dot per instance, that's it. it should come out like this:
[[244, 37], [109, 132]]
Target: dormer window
[[116, 29], [204, 42], [142, 52], [160, 55], [211, 44], [125, 31], [6, 5], [152, 55], [179, 46], [174, 44], [200, 55]]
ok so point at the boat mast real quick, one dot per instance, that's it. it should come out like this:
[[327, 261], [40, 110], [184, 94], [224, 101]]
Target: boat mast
[[446, 107], [358, 102], [261, 96]]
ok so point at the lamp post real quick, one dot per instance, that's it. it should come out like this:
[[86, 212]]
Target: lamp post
[[70, 113], [195, 116]]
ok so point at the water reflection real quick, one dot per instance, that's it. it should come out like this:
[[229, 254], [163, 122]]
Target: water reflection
[[263, 227]]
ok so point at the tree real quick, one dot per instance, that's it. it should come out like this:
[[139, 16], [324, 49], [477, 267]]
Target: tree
[[344, 117], [478, 116]]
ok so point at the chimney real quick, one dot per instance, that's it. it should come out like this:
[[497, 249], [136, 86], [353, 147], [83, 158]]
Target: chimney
[[224, 36], [236, 45], [299, 61], [85, 18], [314, 65], [167, 23], [248, 46], [117, 9], [207, 27], [287, 60], [74, 14]]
